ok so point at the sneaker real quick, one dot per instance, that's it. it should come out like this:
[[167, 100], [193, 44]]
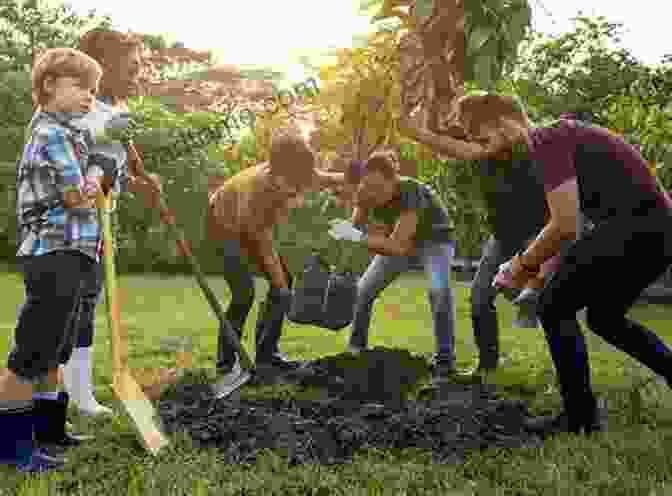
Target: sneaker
[[280, 361], [549, 425], [478, 375], [230, 381]]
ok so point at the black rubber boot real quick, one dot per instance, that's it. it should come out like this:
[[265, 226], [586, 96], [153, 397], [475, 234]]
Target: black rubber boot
[[18, 448], [50, 419]]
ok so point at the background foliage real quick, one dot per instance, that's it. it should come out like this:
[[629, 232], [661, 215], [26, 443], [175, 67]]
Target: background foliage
[[356, 111]]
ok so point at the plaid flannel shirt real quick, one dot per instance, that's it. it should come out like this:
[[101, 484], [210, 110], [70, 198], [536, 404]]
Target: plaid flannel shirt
[[53, 162]]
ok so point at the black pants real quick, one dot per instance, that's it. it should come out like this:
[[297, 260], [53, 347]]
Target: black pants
[[85, 319], [625, 255], [239, 275], [46, 327], [482, 298], [86, 315]]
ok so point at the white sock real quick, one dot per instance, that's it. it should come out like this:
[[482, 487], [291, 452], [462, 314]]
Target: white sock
[[50, 395], [77, 376]]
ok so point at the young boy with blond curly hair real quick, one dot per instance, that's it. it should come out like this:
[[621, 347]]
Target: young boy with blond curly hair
[[58, 244]]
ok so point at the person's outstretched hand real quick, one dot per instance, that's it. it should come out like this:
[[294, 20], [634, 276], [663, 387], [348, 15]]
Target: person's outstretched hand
[[149, 188], [513, 275]]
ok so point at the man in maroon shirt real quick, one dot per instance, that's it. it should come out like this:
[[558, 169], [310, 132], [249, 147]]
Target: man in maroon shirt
[[584, 168]]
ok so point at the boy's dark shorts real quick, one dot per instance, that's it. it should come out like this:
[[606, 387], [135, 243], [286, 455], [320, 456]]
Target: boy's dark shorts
[[46, 325]]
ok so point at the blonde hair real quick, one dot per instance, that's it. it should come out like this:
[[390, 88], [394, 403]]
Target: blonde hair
[[62, 62]]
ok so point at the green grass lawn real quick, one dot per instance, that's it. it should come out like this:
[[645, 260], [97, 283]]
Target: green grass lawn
[[631, 459]]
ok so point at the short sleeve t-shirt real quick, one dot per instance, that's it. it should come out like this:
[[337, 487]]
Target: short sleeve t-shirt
[[434, 222], [252, 207], [613, 178]]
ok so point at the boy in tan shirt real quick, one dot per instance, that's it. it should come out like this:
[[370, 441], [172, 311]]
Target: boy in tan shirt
[[241, 215]]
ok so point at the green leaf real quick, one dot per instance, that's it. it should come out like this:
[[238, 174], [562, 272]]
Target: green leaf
[[518, 23], [478, 37], [366, 5], [483, 71]]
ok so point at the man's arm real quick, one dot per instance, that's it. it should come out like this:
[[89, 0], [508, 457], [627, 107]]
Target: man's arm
[[360, 216], [260, 249], [326, 180], [140, 182], [456, 148], [402, 240], [417, 128], [563, 203]]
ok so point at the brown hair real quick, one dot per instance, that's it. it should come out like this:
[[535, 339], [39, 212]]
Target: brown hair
[[106, 46], [62, 62], [489, 109], [292, 157], [102, 43]]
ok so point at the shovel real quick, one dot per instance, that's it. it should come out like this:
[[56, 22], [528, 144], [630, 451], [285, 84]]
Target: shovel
[[128, 391], [223, 387]]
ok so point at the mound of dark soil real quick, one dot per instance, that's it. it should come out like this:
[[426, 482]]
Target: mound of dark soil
[[365, 407]]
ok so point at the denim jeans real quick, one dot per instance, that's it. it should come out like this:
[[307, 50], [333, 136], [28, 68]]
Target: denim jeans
[[239, 277], [483, 295], [437, 261], [483, 312]]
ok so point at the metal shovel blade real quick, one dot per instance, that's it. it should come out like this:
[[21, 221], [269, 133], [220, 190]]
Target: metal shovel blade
[[227, 385]]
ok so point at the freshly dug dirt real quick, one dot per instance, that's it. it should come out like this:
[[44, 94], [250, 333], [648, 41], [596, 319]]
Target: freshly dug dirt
[[364, 406]]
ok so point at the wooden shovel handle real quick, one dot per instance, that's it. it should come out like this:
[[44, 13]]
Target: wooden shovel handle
[[168, 218], [117, 339]]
